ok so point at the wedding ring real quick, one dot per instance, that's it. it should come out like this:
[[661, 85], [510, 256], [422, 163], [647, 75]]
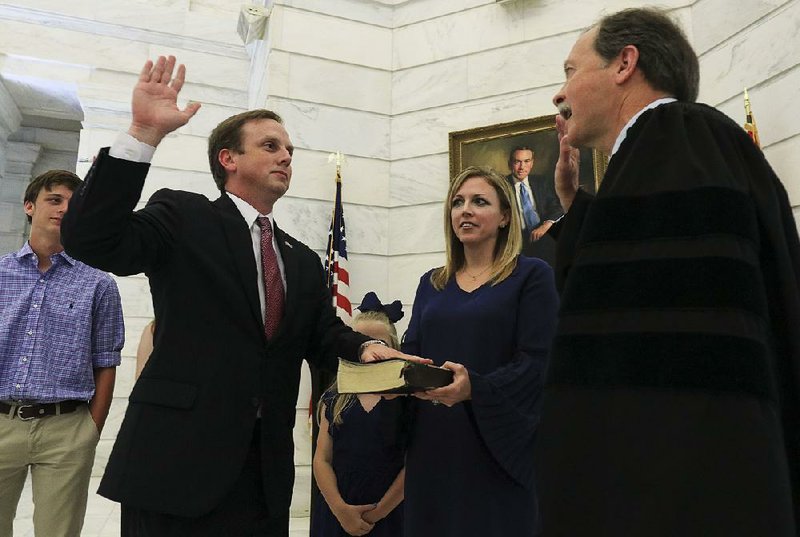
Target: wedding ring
[[435, 401]]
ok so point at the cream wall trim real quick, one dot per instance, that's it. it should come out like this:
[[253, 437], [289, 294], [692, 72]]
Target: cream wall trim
[[96, 26]]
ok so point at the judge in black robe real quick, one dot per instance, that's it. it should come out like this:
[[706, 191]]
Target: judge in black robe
[[671, 403], [673, 377]]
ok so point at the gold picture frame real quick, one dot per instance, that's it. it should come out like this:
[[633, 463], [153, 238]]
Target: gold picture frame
[[491, 145]]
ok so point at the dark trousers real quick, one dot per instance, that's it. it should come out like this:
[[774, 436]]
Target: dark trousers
[[242, 513]]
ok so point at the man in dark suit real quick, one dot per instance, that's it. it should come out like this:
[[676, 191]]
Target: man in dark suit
[[206, 445], [537, 203]]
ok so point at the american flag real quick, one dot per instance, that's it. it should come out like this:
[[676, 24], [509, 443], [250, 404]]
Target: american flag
[[336, 259]]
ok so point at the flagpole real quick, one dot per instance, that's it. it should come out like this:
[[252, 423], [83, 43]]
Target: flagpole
[[338, 280], [750, 121]]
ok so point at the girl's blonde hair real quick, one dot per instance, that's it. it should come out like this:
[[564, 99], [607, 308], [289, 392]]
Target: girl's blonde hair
[[342, 401]]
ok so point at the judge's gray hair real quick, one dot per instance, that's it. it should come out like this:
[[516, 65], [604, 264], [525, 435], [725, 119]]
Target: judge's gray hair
[[666, 58]]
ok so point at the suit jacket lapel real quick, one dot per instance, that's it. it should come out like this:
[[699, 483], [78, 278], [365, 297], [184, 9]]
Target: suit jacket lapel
[[241, 252]]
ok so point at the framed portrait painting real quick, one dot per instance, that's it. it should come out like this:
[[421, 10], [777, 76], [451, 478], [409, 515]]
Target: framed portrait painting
[[491, 146]]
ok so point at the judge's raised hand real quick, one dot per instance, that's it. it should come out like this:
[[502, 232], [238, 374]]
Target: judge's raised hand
[[455, 392], [154, 105], [567, 167]]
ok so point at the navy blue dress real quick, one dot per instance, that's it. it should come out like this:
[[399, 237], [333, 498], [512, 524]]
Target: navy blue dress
[[368, 451], [469, 468]]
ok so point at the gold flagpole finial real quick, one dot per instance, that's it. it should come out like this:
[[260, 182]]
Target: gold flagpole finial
[[750, 121], [339, 159]]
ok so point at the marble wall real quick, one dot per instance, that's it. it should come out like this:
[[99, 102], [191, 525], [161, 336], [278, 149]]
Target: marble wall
[[384, 82]]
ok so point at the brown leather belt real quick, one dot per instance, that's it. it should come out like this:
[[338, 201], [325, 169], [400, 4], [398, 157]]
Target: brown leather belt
[[29, 411]]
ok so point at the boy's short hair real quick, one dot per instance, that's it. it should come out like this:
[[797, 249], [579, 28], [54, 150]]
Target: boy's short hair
[[47, 181]]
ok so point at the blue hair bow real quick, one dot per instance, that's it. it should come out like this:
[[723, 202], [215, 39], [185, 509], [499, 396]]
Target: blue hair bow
[[371, 302]]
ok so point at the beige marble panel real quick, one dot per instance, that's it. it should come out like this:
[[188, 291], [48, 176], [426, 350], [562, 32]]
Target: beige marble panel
[[420, 180], [214, 25], [520, 67], [426, 132], [407, 13], [204, 68], [302, 433], [365, 181], [135, 293], [209, 116], [91, 141], [368, 273], [333, 37], [54, 160], [10, 117], [330, 129], [301, 496], [775, 104], [334, 83], [74, 47], [47, 139], [354, 10], [43, 69], [416, 229], [182, 152], [12, 217], [308, 221], [164, 22], [190, 181], [461, 33], [367, 229], [405, 272], [495, 25], [762, 51], [431, 85], [727, 22]]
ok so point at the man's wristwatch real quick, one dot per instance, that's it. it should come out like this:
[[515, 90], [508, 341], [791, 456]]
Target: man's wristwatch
[[367, 344]]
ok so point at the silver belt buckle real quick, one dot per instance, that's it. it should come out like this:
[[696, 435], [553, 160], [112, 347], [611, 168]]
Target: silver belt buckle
[[19, 412]]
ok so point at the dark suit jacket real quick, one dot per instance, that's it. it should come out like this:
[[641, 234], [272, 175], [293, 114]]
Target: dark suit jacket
[[191, 414], [549, 208]]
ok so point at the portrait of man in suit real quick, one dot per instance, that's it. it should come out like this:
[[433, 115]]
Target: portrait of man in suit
[[537, 203], [206, 445]]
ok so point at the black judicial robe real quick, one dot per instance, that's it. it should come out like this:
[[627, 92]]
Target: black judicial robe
[[671, 403]]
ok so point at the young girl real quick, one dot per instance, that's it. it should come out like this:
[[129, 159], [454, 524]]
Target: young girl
[[358, 463]]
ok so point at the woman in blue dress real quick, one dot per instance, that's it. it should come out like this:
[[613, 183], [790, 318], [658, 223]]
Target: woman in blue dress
[[358, 463], [488, 315]]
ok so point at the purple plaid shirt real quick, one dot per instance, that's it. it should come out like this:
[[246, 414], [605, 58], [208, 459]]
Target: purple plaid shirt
[[55, 328]]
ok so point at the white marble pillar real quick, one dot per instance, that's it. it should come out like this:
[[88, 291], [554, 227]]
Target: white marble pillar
[[10, 205]]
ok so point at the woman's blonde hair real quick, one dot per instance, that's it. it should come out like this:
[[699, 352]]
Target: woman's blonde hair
[[342, 401], [509, 238]]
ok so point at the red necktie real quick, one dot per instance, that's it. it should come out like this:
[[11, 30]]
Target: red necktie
[[273, 285]]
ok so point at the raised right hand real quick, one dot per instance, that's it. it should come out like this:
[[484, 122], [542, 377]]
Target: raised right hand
[[567, 167], [154, 105]]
